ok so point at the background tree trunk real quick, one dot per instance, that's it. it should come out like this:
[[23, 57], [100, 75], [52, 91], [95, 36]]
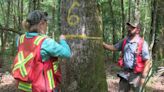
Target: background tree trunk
[[4, 36], [137, 11], [153, 30], [123, 18], [113, 27], [34, 5], [84, 72], [129, 11]]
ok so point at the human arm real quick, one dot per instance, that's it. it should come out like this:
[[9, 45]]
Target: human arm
[[146, 69], [50, 48], [109, 47], [116, 47], [148, 63], [145, 72]]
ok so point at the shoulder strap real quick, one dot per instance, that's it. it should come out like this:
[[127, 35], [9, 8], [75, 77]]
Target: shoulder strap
[[140, 44], [123, 44]]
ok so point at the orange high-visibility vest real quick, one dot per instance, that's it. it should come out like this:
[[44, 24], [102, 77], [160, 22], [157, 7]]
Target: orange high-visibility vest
[[139, 63], [33, 74]]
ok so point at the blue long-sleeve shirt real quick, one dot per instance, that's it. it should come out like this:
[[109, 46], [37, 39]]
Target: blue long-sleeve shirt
[[50, 48]]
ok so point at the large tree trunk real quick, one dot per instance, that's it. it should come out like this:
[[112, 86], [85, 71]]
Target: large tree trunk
[[84, 72]]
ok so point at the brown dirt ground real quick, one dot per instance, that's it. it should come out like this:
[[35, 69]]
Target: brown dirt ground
[[156, 84]]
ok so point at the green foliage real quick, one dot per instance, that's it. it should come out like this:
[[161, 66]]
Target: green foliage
[[47, 5], [100, 2], [53, 8]]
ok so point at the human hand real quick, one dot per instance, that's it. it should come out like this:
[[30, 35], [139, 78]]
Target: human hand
[[104, 45], [62, 37]]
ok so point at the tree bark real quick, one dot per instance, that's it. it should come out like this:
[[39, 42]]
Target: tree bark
[[33, 5], [2, 33], [153, 25], [19, 8], [29, 5], [38, 4], [113, 27], [4, 36], [123, 18], [152, 37], [21, 18], [84, 72], [129, 11], [137, 11]]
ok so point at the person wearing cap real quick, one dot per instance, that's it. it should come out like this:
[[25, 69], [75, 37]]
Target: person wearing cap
[[35, 66], [134, 59]]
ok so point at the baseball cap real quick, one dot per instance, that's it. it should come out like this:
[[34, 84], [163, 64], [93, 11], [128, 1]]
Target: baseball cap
[[36, 16], [133, 24]]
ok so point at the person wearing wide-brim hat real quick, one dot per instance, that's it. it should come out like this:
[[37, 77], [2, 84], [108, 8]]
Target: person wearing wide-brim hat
[[134, 59], [35, 67]]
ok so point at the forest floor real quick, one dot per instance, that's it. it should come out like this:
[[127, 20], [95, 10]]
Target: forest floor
[[156, 84]]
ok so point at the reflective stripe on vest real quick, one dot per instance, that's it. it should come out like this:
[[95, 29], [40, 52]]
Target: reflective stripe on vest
[[21, 40], [38, 39], [50, 79], [25, 86], [55, 66], [21, 63]]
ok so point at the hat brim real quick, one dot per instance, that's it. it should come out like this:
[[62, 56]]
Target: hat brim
[[129, 24], [47, 18]]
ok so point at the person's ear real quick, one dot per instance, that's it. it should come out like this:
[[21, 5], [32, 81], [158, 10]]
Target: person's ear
[[42, 26], [41, 22]]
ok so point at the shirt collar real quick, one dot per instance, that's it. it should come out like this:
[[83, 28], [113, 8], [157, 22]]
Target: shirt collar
[[31, 34], [136, 39]]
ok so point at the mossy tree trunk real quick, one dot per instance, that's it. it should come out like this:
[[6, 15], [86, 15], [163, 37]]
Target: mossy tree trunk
[[84, 72]]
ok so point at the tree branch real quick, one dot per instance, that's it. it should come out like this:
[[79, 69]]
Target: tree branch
[[9, 29]]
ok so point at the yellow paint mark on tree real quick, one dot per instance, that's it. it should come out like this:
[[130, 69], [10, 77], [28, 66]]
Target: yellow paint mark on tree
[[70, 17]]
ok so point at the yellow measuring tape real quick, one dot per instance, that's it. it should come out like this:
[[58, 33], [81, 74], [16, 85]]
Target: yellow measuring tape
[[82, 37]]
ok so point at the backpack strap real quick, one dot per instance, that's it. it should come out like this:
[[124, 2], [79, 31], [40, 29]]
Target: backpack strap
[[123, 45], [140, 44], [120, 61]]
